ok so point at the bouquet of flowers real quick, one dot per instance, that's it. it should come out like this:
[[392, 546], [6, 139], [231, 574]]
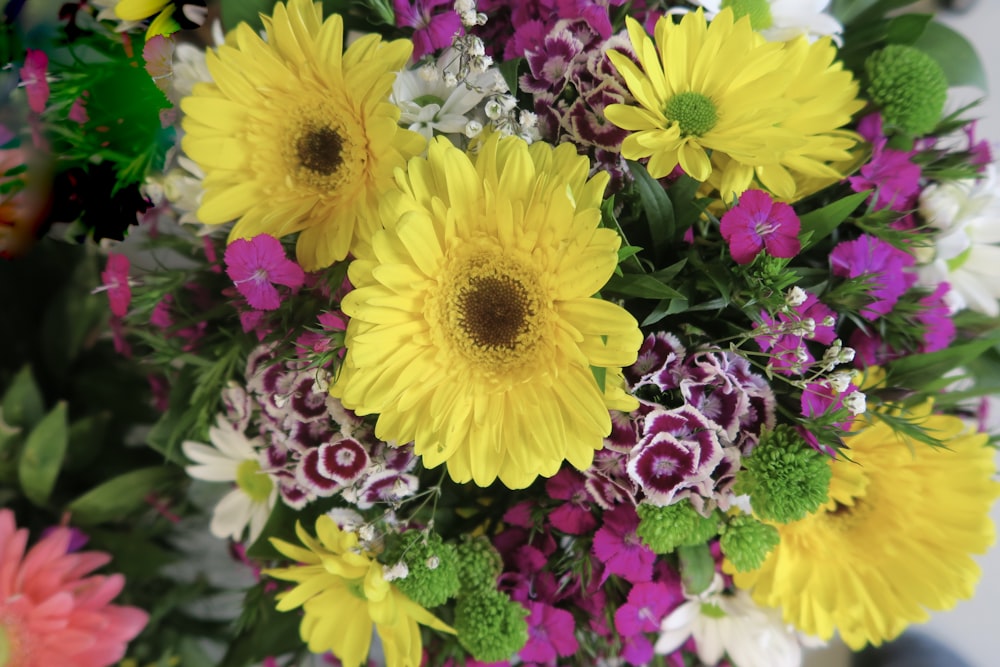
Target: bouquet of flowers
[[537, 332]]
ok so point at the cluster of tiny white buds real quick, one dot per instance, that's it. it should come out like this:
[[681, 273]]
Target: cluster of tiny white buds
[[366, 532], [836, 355], [528, 119], [795, 297], [804, 328], [450, 79], [429, 73], [856, 403], [395, 572]]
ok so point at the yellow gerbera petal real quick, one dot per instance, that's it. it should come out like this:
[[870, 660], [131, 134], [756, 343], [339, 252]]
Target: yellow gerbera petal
[[895, 538], [294, 118], [504, 298]]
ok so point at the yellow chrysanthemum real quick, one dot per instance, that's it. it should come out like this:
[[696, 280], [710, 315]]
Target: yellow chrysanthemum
[[343, 593], [765, 109], [893, 541], [296, 136], [473, 324]]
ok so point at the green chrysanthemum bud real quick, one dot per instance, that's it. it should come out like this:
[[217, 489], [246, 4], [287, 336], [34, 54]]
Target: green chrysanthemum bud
[[490, 625], [909, 86], [479, 565], [432, 566], [785, 477], [663, 529], [746, 542]]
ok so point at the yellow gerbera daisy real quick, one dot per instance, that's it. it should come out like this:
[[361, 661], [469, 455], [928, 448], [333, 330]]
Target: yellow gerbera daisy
[[343, 593], [761, 108], [894, 539], [296, 136], [473, 327]]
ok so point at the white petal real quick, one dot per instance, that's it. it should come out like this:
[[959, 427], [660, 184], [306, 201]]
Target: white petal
[[231, 515]]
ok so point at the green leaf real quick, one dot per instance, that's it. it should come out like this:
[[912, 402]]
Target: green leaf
[[657, 207], [235, 11], [601, 375], [644, 286], [865, 11], [957, 57], [818, 224], [122, 495], [927, 371], [906, 29], [10, 449], [72, 318], [273, 633], [23, 404], [43, 454], [697, 568], [86, 438], [508, 70]]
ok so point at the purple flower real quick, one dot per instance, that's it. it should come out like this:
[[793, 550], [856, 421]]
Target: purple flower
[[551, 63], [788, 351], [433, 30], [256, 265], [758, 222], [343, 460], [33, 75], [679, 449], [648, 603], [617, 545], [881, 264], [895, 179], [115, 279], [939, 327], [550, 634], [574, 515], [659, 362]]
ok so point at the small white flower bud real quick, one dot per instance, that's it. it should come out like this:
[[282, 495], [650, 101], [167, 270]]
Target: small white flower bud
[[398, 571], [840, 381], [846, 355], [366, 532], [795, 297], [433, 562], [450, 79], [473, 128], [493, 109], [856, 403]]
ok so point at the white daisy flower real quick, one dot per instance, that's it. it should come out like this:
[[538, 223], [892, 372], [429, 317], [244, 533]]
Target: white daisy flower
[[783, 20], [234, 458], [733, 626], [966, 253], [431, 102]]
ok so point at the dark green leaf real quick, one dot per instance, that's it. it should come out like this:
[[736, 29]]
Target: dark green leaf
[[927, 371], [122, 495], [957, 57], [657, 208], [697, 568], [23, 404], [86, 438], [643, 286], [601, 375], [235, 11], [818, 224], [10, 450], [865, 11], [43, 454], [73, 317], [508, 70], [906, 29], [273, 633]]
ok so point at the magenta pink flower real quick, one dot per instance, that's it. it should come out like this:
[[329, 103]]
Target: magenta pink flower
[[256, 265], [895, 179], [880, 264], [758, 222], [574, 515], [433, 28], [53, 613], [618, 546], [550, 634], [33, 76], [115, 279]]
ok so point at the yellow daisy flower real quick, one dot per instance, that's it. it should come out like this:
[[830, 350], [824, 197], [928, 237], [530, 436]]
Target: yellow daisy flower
[[894, 539], [295, 135], [343, 593], [765, 109], [473, 325]]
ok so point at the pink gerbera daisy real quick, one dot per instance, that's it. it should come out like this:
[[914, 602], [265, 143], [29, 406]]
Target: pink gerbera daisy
[[51, 612]]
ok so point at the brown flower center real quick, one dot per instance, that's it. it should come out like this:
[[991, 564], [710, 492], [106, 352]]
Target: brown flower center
[[493, 311], [319, 150]]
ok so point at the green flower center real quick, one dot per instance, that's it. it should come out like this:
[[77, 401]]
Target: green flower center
[[694, 113], [958, 261], [712, 610], [255, 485], [357, 588], [759, 12]]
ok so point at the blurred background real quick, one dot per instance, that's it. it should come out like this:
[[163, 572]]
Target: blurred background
[[972, 629]]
